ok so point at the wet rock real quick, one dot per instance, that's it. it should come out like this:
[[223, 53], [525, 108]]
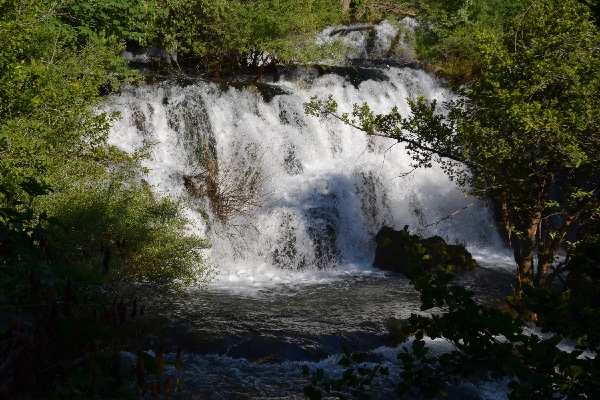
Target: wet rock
[[395, 249], [135, 53]]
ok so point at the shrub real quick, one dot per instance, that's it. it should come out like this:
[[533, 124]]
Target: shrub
[[120, 228]]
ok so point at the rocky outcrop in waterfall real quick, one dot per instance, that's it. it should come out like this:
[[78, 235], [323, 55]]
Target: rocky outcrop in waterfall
[[395, 249]]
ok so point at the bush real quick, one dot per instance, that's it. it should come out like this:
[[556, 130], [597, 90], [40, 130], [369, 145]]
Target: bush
[[127, 233], [49, 85]]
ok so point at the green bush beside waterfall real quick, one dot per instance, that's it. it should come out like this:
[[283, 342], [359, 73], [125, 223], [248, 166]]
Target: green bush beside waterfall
[[52, 129]]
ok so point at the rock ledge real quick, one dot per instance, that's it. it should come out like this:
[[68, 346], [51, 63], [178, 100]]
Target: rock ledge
[[395, 249]]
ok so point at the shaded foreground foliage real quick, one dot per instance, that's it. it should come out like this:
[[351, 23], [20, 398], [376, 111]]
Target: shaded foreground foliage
[[484, 339], [62, 333], [45, 324], [135, 235], [57, 337]]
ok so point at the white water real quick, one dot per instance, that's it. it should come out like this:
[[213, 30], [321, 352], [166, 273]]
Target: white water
[[323, 184], [373, 42], [324, 190]]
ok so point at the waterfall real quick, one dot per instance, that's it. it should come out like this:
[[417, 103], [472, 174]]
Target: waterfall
[[289, 199], [285, 197]]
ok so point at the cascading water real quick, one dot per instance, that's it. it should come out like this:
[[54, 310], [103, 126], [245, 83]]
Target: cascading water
[[289, 199], [321, 190]]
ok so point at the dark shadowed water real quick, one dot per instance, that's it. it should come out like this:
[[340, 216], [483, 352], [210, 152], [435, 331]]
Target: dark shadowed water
[[252, 345]]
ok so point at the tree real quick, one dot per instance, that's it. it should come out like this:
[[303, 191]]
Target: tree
[[525, 134], [50, 80], [223, 34], [445, 37]]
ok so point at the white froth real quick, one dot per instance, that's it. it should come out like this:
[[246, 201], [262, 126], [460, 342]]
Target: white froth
[[326, 189]]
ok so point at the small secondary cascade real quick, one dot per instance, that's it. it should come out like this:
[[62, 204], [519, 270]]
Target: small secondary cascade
[[284, 196]]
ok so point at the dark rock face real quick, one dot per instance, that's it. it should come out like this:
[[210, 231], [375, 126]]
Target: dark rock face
[[395, 249], [392, 252]]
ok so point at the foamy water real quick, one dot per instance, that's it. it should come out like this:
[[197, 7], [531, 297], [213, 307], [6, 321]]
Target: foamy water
[[323, 189]]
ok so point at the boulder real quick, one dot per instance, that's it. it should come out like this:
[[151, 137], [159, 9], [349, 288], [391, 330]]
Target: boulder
[[395, 250]]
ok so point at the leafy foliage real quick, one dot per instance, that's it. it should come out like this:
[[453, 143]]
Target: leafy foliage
[[447, 33], [47, 92], [575, 310], [489, 338], [124, 19], [136, 236], [222, 34], [379, 10], [213, 34]]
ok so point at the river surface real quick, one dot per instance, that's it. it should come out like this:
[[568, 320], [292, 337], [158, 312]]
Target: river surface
[[252, 344]]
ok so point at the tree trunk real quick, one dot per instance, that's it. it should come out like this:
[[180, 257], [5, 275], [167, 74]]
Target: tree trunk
[[523, 244], [545, 259], [524, 249]]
